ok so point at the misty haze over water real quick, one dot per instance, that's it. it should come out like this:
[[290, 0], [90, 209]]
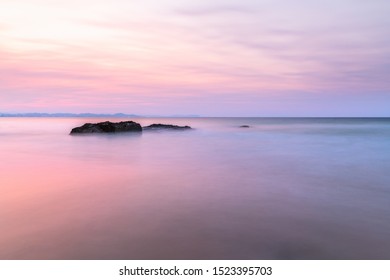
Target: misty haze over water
[[284, 188]]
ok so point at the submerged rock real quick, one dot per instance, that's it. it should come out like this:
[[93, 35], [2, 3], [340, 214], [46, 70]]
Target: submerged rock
[[165, 126], [244, 126], [108, 127]]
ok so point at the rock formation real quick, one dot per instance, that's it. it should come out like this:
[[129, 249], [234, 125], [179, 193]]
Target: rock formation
[[165, 126], [108, 127], [127, 126]]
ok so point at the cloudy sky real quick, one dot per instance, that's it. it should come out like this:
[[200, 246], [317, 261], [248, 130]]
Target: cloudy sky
[[213, 58]]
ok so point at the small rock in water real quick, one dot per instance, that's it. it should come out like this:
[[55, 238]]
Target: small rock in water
[[244, 126], [108, 127], [165, 126]]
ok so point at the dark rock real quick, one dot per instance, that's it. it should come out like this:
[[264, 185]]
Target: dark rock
[[108, 127], [165, 126], [244, 126]]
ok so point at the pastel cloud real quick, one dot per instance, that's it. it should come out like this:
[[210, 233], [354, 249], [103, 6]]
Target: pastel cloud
[[252, 57]]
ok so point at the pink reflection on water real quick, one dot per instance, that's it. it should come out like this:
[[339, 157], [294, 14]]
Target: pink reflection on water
[[213, 193], [46, 201]]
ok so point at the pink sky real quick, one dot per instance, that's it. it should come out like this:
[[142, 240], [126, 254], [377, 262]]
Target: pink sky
[[213, 58]]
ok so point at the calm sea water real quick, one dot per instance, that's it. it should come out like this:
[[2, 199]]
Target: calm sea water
[[281, 189]]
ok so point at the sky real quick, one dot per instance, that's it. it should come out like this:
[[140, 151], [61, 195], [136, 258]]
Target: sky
[[211, 58]]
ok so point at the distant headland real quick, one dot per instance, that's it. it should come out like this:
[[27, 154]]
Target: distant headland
[[87, 115], [65, 115]]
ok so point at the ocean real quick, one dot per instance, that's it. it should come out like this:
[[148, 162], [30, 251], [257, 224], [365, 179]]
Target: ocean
[[284, 188]]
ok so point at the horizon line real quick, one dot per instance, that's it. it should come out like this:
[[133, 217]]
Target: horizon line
[[118, 115]]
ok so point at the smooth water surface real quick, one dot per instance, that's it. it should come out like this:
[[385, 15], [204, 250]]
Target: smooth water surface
[[281, 189]]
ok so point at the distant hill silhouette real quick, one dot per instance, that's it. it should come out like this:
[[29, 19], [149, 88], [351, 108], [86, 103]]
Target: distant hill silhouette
[[81, 115], [86, 115]]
